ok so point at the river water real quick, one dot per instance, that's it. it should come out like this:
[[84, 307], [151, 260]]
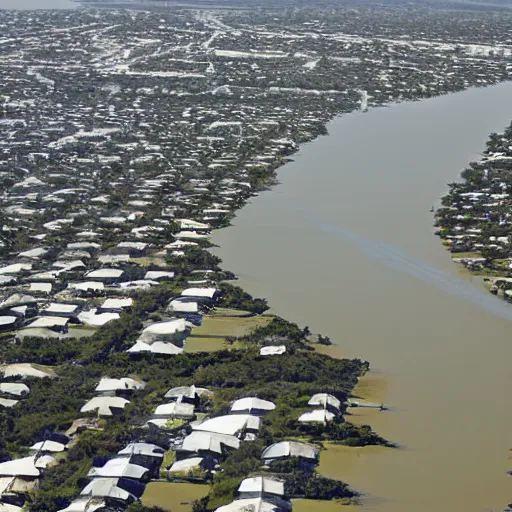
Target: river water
[[345, 244]]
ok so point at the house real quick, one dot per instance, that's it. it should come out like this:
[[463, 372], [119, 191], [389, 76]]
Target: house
[[87, 286], [326, 401], [97, 319], [84, 246], [105, 275], [207, 444], [69, 265], [114, 259], [16, 268], [158, 347], [54, 323], [167, 412], [317, 416], [187, 394], [10, 323], [105, 405], [138, 284], [119, 468], [285, 449], [41, 288], [178, 306], [256, 504], [14, 388], [124, 490], [193, 468], [116, 305], [175, 330], [48, 447], [147, 455], [159, 275], [252, 405], [201, 293], [134, 249], [260, 487], [15, 490], [34, 254], [17, 300], [7, 402], [55, 309], [86, 505], [272, 350], [236, 424], [27, 467], [26, 370], [108, 385]]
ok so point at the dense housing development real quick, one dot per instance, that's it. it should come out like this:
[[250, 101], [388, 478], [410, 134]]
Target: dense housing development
[[126, 137], [474, 219]]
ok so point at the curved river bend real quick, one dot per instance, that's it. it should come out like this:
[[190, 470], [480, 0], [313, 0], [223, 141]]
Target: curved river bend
[[345, 245]]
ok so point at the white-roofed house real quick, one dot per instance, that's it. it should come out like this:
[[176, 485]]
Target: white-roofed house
[[286, 449], [116, 305], [234, 425], [317, 416], [48, 447], [134, 249], [326, 401], [158, 347], [207, 444], [187, 394], [114, 259], [190, 310], [210, 294], [14, 388], [119, 468], [193, 469], [54, 323], [61, 309], [147, 455], [26, 370], [252, 405], [169, 415], [108, 386], [87, 287], [105, 275], [175, 331], [272, 350], [256, 505], [26, 467], [94, 318], [15, 490], [159, 275], [124, 490], [85, 505], [105, 405], [260, 487], [16, 268], [10, 322]]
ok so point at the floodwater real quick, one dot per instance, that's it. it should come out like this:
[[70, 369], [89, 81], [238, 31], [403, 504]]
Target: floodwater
[[345, 244]]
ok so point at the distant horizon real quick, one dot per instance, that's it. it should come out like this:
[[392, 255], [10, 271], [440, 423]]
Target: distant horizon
[[37, 4]]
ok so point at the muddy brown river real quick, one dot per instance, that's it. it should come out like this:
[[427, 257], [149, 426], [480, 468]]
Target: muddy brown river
[[345, 244]]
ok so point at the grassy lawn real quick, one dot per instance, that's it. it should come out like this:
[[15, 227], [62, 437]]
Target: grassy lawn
[[150, 260], [466, 255], [211, 335], [171, 496]]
